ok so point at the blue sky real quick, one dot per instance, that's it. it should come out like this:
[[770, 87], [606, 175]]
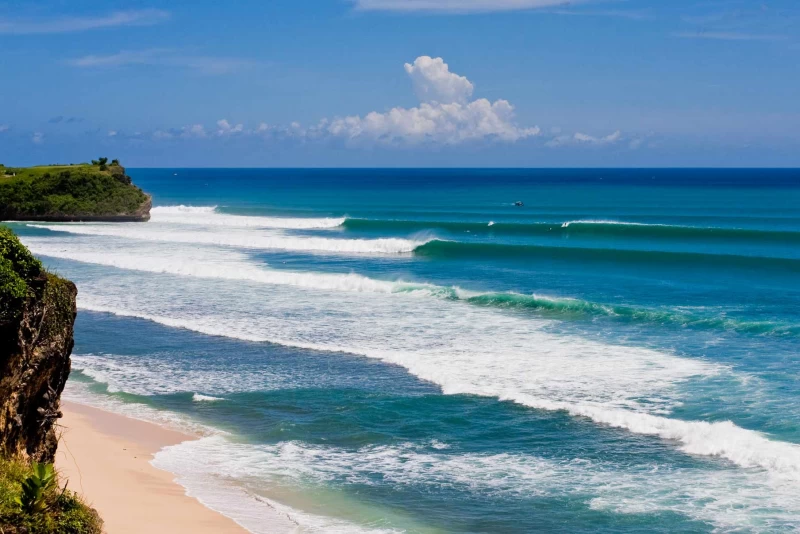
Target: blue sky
[[402, 82]]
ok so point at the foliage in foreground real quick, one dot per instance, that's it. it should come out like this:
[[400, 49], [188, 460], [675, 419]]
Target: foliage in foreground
[[31, 501], [18, 268]]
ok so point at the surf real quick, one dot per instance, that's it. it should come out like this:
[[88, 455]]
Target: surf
[[723, 439], [230, 265]]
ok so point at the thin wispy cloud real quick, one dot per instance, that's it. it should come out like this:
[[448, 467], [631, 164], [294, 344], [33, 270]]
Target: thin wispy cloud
[[580, 138], [619, 14], [457, 6], [164, 57], [68, 24], [729, 36], [741, 21]]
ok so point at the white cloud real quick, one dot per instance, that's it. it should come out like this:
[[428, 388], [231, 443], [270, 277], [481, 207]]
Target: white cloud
[[585, 139], [226, 128], [444, 116], [112, 133], [730, 36], [443, 123], [433, 81], [195, 130], [65, 24], [4, 128], [457, 6], [37, 138], [163, 57]]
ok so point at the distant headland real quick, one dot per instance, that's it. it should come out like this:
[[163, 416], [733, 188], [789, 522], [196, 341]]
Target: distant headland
[[96, 191]]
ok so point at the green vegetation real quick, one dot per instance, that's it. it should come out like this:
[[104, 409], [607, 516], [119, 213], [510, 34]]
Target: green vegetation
[[31, 501], [18, 268], [96, 189]]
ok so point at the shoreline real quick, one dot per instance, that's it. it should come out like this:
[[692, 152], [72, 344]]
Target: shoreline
[[107, 457]]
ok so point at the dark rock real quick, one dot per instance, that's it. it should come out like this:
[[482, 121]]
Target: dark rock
[[35, 353]]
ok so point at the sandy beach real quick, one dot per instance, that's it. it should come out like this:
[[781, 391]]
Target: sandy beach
[[106, 457]]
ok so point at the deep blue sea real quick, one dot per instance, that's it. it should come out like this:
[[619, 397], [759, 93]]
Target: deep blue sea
[[409, 351]]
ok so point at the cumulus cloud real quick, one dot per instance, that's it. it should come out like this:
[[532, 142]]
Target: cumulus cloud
[[444, 123], [195, 130], [433, 81], [445, 114], [226, 128], [457, 6]]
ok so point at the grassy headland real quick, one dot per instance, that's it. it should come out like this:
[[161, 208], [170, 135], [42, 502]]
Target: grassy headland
[[84, 191]]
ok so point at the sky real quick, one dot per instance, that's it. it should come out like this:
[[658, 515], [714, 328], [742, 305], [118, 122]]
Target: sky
[[387, 83]]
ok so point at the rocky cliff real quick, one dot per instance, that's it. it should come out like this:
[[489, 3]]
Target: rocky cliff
[[37, 315]]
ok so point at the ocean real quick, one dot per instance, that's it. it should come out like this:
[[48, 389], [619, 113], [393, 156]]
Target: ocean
[[410, 351]]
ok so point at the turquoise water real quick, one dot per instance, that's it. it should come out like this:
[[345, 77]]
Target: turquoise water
[[408, 351]]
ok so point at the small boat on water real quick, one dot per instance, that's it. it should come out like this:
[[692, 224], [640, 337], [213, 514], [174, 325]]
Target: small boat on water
[[519, 203]]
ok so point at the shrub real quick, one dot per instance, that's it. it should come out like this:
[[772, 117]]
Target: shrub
[[17, 268], [33, 497], [59, 511]]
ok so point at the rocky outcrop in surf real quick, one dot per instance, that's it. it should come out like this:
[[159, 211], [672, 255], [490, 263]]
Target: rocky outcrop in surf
[[37, 314]]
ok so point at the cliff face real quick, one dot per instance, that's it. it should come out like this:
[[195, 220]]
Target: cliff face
[[36, 341]]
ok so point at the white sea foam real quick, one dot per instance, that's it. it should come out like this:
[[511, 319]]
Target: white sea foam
[[223, 486], [80, 393], [209, 263], [183, 209], [208, 216], [197, 397], [154, 375], [585, 379], [760, 504], [263, 240], [603, 221]]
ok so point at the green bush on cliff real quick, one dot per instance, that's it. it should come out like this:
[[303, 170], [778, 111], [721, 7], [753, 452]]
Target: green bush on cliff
[[18, 268], [68, 190], [61, 512]]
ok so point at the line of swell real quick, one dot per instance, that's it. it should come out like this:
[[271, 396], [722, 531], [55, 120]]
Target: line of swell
[[443, 249], [555, 307], [581, 228], [429, 247], [746, 448]]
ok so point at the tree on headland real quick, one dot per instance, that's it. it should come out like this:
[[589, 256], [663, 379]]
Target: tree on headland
[[101, 162]]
